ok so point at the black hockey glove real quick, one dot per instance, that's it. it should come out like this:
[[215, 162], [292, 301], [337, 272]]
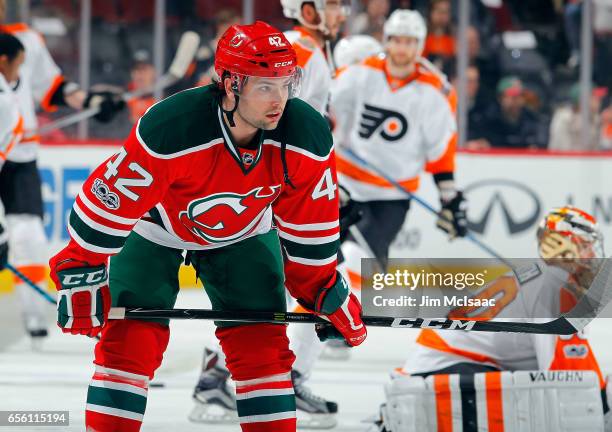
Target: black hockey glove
[[452, 218], [350, 213], [110, 104]]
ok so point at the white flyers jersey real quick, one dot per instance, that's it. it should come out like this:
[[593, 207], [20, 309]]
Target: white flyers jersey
[[11, 122], [39, 77], [317, 74], [545, 289], [399, 126]]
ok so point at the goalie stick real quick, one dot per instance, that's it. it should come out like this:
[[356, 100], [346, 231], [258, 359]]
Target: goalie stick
[[590, 305], [188, 45]]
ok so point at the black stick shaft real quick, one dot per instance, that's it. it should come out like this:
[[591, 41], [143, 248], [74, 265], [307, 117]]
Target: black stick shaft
[[556, 326]]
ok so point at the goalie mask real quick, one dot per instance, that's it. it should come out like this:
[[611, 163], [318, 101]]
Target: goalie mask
[[570, 233]]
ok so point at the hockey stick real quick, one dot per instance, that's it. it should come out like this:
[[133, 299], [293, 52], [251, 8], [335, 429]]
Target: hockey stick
[[348, 154], [590, 305], [188, 45], [29, 282]]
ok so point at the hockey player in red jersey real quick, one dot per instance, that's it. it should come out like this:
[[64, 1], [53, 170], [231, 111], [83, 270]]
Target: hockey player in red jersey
[[208, 170]]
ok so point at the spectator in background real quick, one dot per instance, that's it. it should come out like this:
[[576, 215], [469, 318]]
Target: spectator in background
[[477, 112], [602, 27], [572, 14], [372, 20], [143, 76], [511, 124], [205, 57], [566, 125], [606, 128], [440, 42], [486, 64]]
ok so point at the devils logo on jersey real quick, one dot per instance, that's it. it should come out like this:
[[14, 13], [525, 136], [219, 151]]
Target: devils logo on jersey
[[227, 216], [391, 124]]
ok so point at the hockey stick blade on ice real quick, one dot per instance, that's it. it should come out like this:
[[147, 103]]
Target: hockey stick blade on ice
[[188, 45], [590, 305]]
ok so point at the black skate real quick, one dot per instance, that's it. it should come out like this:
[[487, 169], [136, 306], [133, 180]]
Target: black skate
[[37, 338], [314, 412], [213, 396]]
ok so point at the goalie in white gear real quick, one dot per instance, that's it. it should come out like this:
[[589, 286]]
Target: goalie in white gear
[[571, 246]]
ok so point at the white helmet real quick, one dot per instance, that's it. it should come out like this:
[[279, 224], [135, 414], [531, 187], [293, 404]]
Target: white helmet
[[353, 49], [404, 22], [292, 9]]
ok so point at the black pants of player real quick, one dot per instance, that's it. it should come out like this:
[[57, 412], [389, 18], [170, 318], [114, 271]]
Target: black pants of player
[[20, 188], [380, 223]]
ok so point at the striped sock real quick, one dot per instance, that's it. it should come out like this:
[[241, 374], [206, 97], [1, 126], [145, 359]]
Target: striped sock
[[116, 401], [266, 404]]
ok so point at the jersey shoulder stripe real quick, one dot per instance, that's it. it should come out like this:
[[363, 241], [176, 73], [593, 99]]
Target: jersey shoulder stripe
[[181, 123], [315, 139]]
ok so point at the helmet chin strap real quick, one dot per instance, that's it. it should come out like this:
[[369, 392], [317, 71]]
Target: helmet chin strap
[[229, 114]]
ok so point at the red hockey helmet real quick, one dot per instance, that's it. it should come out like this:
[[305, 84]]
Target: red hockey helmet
[[256, 50]]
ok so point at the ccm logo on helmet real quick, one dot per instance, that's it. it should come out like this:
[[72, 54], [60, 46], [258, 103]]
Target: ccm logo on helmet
[[276, 41], [285, 63]]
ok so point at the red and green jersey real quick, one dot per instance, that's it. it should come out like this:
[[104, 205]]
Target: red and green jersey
[[181, 182]]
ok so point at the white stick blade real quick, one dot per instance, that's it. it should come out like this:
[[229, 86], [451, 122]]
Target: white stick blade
[[188, 46]]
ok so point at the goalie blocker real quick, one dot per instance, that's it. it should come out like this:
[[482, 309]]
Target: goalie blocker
[[522, 401]]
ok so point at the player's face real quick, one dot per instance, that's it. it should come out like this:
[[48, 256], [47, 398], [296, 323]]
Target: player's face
[[10, 69], [402, 50], [263, 100], [335, 15]]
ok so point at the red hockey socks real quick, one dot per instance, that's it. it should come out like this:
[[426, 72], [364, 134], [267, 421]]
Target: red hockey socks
[[259, 360]]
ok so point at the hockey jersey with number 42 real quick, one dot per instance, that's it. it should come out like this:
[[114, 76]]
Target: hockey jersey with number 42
[[197, 190]]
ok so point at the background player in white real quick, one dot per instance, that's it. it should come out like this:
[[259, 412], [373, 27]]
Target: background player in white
[[570, 244], [355, 48], [317, 25], [41, 83], [11, 122], [398, 113]]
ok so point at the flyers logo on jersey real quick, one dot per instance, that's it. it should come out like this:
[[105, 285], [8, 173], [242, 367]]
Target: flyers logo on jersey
[[391, 125], [228, 216]]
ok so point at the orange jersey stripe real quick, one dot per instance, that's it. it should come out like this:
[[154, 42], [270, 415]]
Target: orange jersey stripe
[[355, 172], [495, 407], [35, 273], [13, 28], [433, 340], [46, 100], [444, 413]]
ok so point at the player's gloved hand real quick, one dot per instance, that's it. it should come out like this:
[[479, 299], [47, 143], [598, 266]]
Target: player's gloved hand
[[338, 305], [3, 254], [84, 299], [110, 104], [350, 213], [452, 218]]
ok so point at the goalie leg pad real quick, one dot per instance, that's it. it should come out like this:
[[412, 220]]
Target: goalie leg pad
[[524, 401], [126, 358]]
